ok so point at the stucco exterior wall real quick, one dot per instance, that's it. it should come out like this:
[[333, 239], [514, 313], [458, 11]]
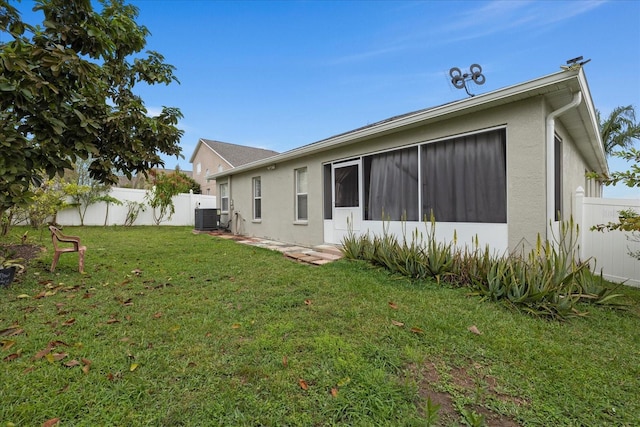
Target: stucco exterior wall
[[209, 163], [574, 171], [278, 203], [526, 175]]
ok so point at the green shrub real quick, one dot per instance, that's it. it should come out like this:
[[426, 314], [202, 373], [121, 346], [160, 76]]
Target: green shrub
[[547, 282]]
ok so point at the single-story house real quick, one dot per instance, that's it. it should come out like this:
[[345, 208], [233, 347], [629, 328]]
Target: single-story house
[[500, 167], [211, 156]]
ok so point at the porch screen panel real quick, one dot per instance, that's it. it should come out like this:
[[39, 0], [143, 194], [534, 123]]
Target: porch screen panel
[[346, 187], [391, 185], [327, 196], [464, 179]]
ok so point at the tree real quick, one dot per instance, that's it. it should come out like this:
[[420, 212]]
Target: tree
[[166, 186], [619, 129], [185, 183], [631, 177], [67, 91], [48, 199], [84, 190]]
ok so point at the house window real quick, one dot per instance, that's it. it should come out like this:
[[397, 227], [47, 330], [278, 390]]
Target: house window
[[301, 194], [391, 185], [224, 197], [257, 198], [557, 196], [198, 168], [464, 179]]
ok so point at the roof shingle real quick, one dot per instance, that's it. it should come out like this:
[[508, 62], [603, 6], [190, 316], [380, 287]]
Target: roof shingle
[[238, 155]]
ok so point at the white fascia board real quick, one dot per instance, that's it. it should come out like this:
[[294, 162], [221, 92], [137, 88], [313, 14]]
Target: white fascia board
[[594, 126]]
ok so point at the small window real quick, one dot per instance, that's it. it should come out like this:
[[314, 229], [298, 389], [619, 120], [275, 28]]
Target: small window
[[198, 168], [224, 197], [557, 214], [257, 198], [301, 195]]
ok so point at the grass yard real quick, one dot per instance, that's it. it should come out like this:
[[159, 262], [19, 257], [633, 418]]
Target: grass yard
[[168, 328]]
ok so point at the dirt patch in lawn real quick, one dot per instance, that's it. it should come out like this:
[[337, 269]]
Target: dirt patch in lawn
[[467, 383], [25, 252]]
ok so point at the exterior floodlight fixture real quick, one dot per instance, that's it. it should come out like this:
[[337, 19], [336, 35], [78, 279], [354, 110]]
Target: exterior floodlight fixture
[[574, 63], [459, 80]]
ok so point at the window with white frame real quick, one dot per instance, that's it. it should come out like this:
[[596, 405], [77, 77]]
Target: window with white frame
[[257, 198], [224, 197], [301, 194]]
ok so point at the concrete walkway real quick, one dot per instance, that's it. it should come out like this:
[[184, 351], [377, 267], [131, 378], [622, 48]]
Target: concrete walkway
[[317, 255]]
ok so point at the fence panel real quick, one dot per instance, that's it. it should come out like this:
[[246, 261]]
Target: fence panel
[[112, 214], [609, 249]]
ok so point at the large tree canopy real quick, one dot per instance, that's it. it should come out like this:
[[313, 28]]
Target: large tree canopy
[[619, 130], [66, 91]]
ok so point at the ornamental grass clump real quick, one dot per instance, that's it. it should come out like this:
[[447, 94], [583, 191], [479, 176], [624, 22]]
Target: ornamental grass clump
[[550, 281]]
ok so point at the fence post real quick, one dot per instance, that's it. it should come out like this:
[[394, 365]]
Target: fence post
[[579, 219], [192, 207]]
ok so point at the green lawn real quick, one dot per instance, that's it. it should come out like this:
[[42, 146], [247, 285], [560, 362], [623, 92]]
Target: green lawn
[[168, 328]]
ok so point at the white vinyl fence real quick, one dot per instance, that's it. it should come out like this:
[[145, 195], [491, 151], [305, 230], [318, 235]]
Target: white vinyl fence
[[99, 214], [609, 249]]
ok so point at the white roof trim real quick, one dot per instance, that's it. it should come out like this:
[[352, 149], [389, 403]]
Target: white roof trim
[[200, 143], [534, 87]]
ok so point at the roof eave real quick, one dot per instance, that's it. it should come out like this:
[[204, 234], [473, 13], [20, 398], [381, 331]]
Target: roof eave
[[594, 127], [528, 89]]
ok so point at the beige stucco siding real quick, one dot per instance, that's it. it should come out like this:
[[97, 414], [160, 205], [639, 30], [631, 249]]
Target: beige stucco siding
[[526, 175], [574, 171], [526, 172], [278, 203], [209, 163]]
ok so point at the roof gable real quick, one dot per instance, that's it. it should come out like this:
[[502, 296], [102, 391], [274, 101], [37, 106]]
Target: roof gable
[[235, 155]]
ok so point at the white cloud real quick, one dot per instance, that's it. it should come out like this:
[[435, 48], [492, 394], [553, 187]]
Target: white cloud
[[494, 17]]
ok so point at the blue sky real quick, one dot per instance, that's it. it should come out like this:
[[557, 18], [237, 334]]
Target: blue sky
[[281, 74]]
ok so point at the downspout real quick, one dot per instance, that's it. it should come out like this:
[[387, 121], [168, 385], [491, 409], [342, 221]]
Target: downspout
[[551, 133]]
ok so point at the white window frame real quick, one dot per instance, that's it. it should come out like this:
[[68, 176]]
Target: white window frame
[[256, 192], [301, 192], [224, 197]]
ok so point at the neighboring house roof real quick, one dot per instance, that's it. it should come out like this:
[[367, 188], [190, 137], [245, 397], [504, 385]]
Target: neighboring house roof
[[557, 88], [235, 155]]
